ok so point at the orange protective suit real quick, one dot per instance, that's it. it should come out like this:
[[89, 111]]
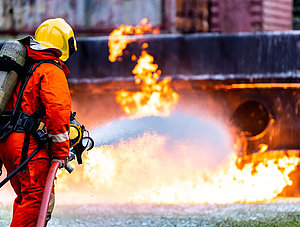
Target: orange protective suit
[[47, 85]]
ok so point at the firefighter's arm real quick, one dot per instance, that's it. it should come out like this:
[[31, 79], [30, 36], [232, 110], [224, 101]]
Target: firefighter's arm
[[55, 96]]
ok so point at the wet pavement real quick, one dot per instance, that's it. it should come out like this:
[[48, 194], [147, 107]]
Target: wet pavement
[[279, 212]]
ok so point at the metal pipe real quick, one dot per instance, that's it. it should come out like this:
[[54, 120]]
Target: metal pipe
[[47, 192]]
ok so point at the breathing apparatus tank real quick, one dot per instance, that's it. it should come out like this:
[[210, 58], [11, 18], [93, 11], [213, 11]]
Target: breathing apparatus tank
[[12, 59]]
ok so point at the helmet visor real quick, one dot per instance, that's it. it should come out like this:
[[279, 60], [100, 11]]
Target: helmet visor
[[72, 47]]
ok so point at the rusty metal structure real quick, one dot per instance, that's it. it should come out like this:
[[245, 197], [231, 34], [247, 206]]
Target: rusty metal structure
[[250, 15], [86, 16], [92, 17], [99, 17]]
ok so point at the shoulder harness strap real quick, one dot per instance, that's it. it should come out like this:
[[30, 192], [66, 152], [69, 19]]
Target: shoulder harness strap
[[27, 124], [1, 164], [16, 119], [32, 122], [12, 117]]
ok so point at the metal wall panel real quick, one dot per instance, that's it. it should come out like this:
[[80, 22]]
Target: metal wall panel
[[169, 15], [277, 15], [230, 16], [235, 16], [101, 16], [87, 16], [108, 14], [267, 56]]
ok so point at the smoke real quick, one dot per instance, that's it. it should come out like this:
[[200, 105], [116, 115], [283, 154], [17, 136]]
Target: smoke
[[207, 140]]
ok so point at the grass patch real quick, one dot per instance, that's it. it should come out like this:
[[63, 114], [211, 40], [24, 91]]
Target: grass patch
[[283, 219]]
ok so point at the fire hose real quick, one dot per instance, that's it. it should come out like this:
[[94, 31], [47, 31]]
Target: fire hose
[[75, 152], [47, 193]]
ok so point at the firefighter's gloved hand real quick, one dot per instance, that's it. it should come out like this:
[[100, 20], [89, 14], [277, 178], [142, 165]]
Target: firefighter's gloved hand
[[62, 162]]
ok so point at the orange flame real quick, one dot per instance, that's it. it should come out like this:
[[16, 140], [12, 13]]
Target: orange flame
[[118, 38], [227, 185], [262, 148], [142, 170], [156, 97], [119, 41]]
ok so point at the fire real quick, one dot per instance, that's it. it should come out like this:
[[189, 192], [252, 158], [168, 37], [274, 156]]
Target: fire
[[227, 185], [151, 169], [262, 148], [118, 38], [143, 170], [156, 98]]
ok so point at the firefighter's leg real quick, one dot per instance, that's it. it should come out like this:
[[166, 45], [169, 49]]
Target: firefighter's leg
[[32, 187]]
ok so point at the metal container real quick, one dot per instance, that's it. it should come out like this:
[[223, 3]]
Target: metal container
[[17, 52]]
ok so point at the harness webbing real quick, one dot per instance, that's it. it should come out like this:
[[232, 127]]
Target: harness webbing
[[24, 151], [34, 116], [20, 167], [12, 125], [1, 164]]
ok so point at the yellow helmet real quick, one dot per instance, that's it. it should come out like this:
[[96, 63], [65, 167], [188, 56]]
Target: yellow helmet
[[57, 33]]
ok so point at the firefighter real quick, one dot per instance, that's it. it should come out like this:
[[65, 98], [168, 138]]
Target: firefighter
[[46, 93]]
